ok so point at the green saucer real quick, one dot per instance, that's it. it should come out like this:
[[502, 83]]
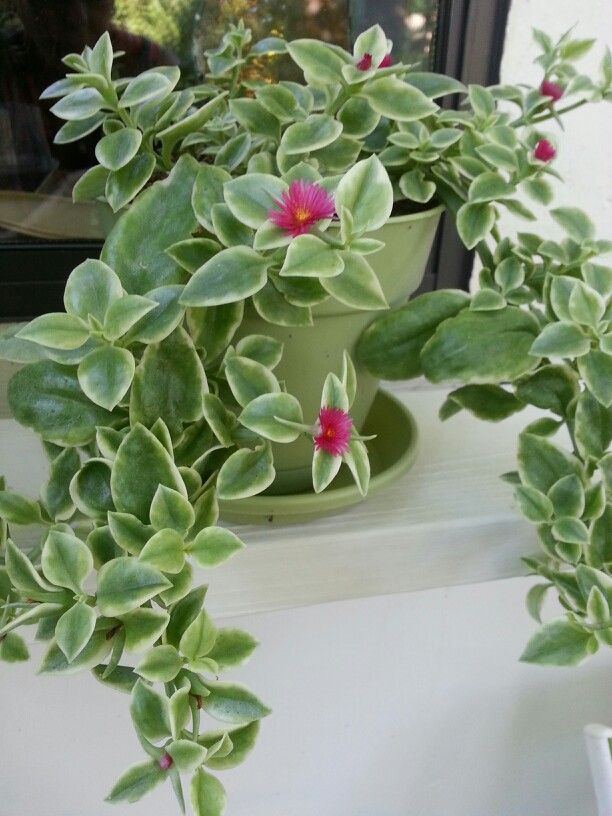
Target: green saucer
[[392, 453]]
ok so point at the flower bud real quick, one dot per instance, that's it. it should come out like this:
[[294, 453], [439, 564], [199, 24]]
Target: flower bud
[[551, 89], [165, 762], [544, 151]]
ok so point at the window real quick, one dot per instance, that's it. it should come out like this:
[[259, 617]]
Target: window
[[43, 235]]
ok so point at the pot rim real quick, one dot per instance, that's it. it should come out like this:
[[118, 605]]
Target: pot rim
[[400, 219]]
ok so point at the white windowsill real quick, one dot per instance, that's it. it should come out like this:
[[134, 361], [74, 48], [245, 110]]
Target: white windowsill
[[450, 520]]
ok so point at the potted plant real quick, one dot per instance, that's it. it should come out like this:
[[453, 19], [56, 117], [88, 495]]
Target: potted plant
[[161, 391]]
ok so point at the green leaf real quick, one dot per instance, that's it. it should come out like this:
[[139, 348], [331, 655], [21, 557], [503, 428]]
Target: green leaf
[[228, 229], [66, 561], [90, 488], [129, 533], [123, 314], [560, 340], [535, 505], [117, 149], [415, 187], [357, 118], [183, 613], [90, 289], [56, 494], [106, 374], [126, 583], [207, 795], [164, 551], [542, 463], [356, 457], [567, 496], [490, 402], [357, 285], [148, 85], [181, 584], [150, 712], [474, 222], [575, 222], [317, 59], [214, 545], [13, 648], [251, 197], [252, 115], [246, 473], [74, 130], [141, 465], [199, 637], [136, 782], [160, 664], [57, 331], [551, 388], [272, 306], [179, 711], [186, 754], [96, 649], [18, 510], [261, 416], [434, 85], [232, 275], [169, 383], [315, 132], [309, 256], [509, 274], [92, 184], [489, 187], [233, 704], [481, 347], [487, 300], [570, 530], [249, 379], [161, 321], [208, 191], [79, 104], [22, 573], [265, 350], [185, 125], [397, 100], [586, 306], [171, 509], [122, 185], [373, 41], [143, 626], [232, 647], [535, 599], [325, 468], [193, 253], [367, 193], [74, 629], [596, 370], [164, 213], [558, 643], [593, 426], [390, 347]]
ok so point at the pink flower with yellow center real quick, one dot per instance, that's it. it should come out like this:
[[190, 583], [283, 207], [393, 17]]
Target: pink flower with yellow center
[[544, 151], [301, 206], [365, 63], [334, 429], [551, 89]]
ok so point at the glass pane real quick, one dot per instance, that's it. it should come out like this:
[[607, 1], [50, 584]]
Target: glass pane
[[37, 176]]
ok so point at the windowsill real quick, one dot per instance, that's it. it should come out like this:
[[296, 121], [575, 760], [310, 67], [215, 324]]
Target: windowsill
[[450, 520]]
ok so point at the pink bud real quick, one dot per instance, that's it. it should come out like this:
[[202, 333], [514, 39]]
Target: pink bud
[[544, 151], [165, 762], [551, 89], [365, 63], [386, 61]]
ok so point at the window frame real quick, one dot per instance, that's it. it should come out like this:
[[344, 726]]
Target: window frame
[[468, 46]]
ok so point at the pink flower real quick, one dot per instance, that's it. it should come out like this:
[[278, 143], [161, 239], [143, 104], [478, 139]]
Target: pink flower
[[551, 89], [301, 206], [544, 151], [165, 762], [333, 431], [365, 63]]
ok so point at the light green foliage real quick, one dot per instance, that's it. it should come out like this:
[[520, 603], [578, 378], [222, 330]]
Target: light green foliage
[[151, 411]]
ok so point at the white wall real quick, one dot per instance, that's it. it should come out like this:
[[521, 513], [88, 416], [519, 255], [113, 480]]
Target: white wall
[[584, 147], [407, 705]]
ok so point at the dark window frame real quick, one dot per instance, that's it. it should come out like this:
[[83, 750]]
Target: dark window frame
[[469, 45]]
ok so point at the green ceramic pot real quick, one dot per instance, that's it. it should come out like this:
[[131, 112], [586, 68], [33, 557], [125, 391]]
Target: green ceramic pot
[[311, 352]]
